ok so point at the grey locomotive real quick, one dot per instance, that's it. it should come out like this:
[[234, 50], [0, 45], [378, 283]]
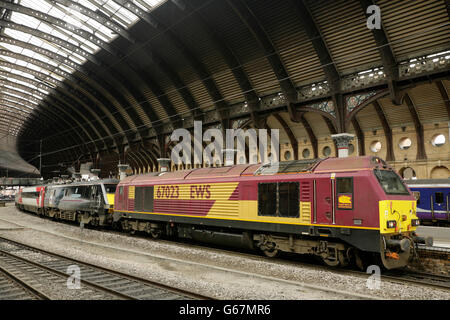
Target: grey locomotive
[[87, 202]]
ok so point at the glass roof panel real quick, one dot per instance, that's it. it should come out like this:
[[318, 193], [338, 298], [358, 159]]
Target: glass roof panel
[[117, 17]]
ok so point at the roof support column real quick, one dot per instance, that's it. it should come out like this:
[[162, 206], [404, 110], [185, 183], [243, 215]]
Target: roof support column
[[421, 155], [387, 131]]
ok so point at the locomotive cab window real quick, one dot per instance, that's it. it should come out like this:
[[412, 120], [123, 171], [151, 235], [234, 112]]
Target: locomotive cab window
[[278, 199], [344, 193], [391, 182]]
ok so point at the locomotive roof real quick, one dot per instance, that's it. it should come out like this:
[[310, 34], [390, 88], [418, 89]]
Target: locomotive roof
[[85, 183], [285, 167], [427, 182]]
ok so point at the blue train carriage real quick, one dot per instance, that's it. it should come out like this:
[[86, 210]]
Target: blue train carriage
[[433, 200]]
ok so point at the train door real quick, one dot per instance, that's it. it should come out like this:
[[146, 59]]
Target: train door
[[96, 200], [439, 206], [323, 200], [345, 201], [448, 207]]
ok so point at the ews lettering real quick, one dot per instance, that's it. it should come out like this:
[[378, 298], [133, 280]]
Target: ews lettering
[[200, 192]]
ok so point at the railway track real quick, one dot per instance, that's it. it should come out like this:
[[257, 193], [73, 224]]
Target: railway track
[[431, 280], [102, 280], [14, 288], [399, 276]]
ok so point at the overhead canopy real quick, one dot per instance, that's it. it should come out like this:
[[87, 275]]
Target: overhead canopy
[[43, 42], [100, 76], [11, 164]]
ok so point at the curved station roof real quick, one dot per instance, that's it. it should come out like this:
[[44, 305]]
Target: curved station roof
[[112, 79]]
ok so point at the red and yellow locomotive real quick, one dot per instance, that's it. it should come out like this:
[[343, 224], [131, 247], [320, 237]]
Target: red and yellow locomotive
[[339, 209]]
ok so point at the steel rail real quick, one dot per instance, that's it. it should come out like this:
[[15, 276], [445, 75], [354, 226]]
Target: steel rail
[[182, 293], [23, 285]]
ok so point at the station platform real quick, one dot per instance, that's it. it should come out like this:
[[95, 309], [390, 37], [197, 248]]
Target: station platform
[[441, 235]]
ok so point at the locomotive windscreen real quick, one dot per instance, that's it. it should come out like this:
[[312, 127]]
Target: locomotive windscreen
[[391, 182], [110, 188]]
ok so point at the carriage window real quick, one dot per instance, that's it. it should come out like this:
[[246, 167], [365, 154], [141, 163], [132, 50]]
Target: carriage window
[[439, 197], [267, 199], [288, 203], [417, 196], [121, 190], [344, 193]]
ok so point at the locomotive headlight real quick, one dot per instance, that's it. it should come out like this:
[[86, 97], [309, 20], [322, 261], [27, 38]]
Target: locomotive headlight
[[415, 222], [391, 224]]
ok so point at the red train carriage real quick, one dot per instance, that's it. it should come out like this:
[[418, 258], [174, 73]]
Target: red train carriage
[[336, 208], [31, 199]]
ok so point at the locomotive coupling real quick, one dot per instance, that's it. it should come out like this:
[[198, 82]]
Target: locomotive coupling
[[428, 241], [403, 244]]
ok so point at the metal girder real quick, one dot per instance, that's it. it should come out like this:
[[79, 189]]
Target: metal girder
[[58, 22], [134, 155], [13, 120], [390, 66], [313, 32], [333, 130], [270, 52], [119, 57], [67, 45], [329, 68], [200, 69], [360, 136], [173, 77], [311, 135], [49, 38], [290, 135], [51, 69], [231, 60], [421, 154], [387, 131], [48, 67], [443, 90], [115, 27]]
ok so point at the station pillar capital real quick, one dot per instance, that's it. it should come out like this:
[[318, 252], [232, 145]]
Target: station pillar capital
[[122, 170], [164, 164], [342, 142]]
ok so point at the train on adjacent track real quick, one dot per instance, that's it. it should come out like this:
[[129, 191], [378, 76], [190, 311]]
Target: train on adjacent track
[[433, 200], [342, 210], [87, 202]]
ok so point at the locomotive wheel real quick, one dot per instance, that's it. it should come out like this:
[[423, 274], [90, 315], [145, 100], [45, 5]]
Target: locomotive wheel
[[271, 253], [155, 234], [358, 260], [331, 263]]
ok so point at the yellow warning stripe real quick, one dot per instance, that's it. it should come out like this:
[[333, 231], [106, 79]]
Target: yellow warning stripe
[[249, 220]]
